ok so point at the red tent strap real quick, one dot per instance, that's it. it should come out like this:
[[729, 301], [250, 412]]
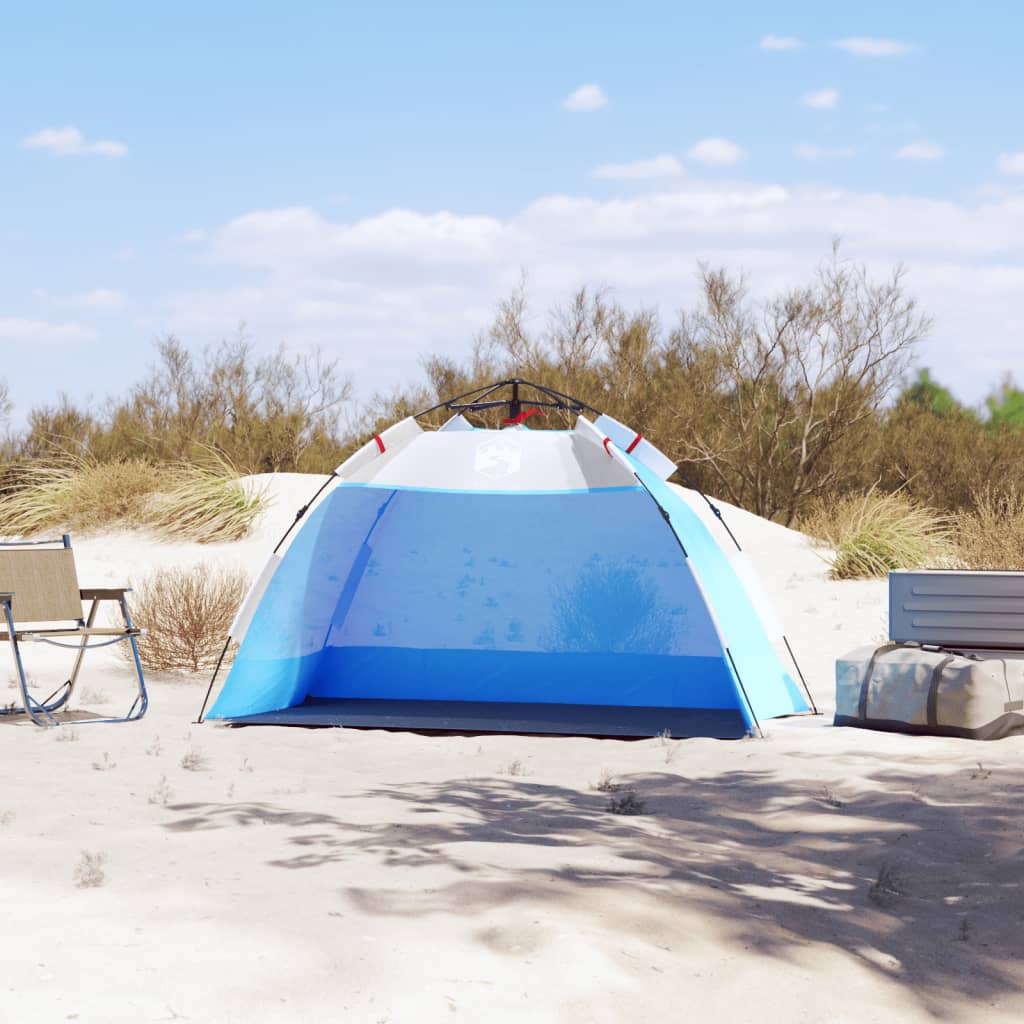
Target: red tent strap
[[523, 416], [380, 443], [607, 441], [632, 444]]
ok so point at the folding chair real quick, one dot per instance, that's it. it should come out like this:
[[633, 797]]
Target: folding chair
[[42, 602]]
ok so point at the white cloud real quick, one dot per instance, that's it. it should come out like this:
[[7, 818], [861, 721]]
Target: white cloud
[[770, 42], [869, 46], [100, 300], [191, 237], [662, 166], [69, 141], [821, 99], [920, 151], [18, 331], [586, 98], [812, 152], [382, 291], [1011, 163], [716, 152]]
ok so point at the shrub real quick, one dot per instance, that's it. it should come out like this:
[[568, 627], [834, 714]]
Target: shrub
[[187, 613], [871, 534], [991, 536]]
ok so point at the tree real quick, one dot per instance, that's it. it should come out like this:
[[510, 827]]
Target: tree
[[775, 389]]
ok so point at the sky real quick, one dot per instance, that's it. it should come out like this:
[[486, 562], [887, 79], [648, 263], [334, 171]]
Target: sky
[[371, 179]]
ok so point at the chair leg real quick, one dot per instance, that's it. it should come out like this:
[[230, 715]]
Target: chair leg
[[138, 708], [80, 655], [39, 713]]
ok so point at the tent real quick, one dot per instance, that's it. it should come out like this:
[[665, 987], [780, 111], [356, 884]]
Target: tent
[[507, 579]]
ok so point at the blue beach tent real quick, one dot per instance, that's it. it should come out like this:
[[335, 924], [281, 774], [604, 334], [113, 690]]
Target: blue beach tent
[[507, 580]]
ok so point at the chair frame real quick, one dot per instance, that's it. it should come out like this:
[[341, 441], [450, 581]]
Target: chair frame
[[43, 712]]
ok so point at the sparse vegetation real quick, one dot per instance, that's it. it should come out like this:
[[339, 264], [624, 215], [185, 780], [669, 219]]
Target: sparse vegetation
[[193, 760], [626, 801], [886, 886], [606, 783], [187, 613], [105, 763], [991, 534], [162, 794], [89, 873], [515, 767], [668, 745], [65, 734], [828, 796], [202, 501], [873, 533]]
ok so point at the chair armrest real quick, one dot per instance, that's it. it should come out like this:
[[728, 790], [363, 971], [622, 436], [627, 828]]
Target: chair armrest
[[101, 593]]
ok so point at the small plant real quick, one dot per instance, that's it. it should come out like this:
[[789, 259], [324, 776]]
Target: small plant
[[514, 767], [982, 772], [65, 734], [105, 763], [829, 797], [187, 613], [668, 745], [154, 749], [873, 533], [90, 696], [6, 817], [89, 872], [193, 760], [626, 802], [964, 931], [162, 794], [886, 886], [246, 767], [606, 783]]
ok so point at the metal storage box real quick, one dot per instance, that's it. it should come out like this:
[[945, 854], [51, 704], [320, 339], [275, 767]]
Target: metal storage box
[[957, 609]]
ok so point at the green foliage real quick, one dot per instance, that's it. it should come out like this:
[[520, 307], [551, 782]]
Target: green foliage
[[928, 394], [1006, 407]]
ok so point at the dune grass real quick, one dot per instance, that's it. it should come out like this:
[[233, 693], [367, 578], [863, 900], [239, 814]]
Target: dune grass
[[871, 534], [204, 503], [991, 535]]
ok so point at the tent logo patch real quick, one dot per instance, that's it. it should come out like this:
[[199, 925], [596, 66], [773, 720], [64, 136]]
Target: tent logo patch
[[498, 458]]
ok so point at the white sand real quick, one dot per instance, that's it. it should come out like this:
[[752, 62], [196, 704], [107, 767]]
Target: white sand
[[327, 875]]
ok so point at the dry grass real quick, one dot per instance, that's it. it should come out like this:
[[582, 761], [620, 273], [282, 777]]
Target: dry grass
[[89, 873], [205, 503], [187, 613], [991, 535], [192, 502], [873, 533]]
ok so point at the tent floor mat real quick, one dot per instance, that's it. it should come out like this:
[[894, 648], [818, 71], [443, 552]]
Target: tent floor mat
[[483, 716]]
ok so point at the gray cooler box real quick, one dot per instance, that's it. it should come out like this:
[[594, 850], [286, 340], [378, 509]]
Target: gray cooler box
[[912, 689], [955, 662]]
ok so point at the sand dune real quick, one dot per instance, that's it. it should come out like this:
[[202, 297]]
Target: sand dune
[[268, 875]]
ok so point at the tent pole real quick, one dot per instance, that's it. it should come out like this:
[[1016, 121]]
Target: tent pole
[[213, 679]]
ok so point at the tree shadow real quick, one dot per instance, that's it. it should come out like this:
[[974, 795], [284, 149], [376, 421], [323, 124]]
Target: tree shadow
[[918, 878]]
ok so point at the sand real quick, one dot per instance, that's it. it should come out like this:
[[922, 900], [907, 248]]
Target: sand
[[817, 875]]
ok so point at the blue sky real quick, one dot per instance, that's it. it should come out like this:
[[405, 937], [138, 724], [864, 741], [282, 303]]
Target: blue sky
[[370, 179]]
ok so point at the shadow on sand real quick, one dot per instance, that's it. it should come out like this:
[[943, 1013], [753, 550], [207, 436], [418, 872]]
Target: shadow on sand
[[916, 877]]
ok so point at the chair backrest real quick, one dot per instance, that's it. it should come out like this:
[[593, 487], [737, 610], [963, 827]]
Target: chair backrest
[[43, 580]]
